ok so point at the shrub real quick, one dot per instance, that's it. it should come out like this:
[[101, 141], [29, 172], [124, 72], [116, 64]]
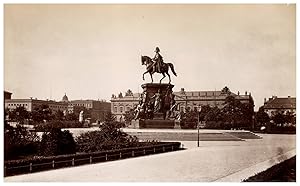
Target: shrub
[[56, 142], [104, 140], [58, 124], [19, 142]]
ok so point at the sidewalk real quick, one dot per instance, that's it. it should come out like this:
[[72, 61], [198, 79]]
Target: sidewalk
[[212, 161]]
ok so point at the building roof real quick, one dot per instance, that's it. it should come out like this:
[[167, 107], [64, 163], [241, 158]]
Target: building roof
[[281, 103], [202, 93]]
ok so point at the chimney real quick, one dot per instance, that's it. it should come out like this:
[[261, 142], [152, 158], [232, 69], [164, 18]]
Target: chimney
[[265, 100], [289, 97], [238, 93], [246, 93]]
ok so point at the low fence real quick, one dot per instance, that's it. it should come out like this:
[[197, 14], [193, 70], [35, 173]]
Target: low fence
[[16, 167]]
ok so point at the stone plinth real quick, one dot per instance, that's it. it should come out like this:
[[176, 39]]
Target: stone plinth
[[135, 124], [157, 124], [156, 101], [177, 124], [158, 116], [152, 88]]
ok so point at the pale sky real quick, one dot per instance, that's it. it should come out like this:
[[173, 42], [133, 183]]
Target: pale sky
[[93, 51]]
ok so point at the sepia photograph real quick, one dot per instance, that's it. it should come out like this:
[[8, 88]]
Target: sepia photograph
[[149, 92]]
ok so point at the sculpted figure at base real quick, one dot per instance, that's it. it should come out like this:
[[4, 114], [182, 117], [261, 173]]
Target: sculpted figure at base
[[157, 102], [141, 107], [172, 111]]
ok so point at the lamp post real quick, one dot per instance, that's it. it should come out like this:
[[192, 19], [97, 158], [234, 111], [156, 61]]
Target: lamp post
[[199, 110]]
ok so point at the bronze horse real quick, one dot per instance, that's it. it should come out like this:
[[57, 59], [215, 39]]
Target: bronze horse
[[150, 68]]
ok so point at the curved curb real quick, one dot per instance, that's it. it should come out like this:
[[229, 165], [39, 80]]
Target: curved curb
[[257, 168]]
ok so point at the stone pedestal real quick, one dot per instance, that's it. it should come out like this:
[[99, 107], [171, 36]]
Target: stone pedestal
[[158, 116], [157, 124], [151, 89], [135, 124], [177, 124], [156, 102]]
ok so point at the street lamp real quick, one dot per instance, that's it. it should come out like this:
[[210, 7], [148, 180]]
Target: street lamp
[[198, 126]]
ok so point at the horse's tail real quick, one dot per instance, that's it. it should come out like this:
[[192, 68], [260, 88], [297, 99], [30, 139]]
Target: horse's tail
[[172, 68]]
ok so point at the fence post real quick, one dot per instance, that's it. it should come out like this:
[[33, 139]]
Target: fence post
[[30, 167], [91, 159], [73, 162], [144, 151], [132, 153], [163, 148], [4, 170], [154, 149], [120, 155], [53, 164], [106, 157], [172, 147]]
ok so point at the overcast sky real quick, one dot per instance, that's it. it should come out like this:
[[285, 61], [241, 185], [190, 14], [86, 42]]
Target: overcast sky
[[93, 51]]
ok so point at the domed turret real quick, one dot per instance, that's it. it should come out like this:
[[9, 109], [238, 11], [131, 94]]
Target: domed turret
[[65, 98]]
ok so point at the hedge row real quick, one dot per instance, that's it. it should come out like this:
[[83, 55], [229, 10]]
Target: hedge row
[[15, 167], [282, 172]]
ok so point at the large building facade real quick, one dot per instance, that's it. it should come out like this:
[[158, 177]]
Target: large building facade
[[191, 100], [97, 108], [276, 105], [30, 104]]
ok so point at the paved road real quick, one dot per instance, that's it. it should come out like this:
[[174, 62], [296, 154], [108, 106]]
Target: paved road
[[213, 161]]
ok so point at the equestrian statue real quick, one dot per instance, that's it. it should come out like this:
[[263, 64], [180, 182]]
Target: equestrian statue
[[157, 65]]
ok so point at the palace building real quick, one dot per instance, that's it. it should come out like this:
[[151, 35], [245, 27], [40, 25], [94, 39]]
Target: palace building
[[191, 100]]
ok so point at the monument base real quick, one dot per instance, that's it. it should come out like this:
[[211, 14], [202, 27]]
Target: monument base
[[177, 124], [158, 124], [158, 116], [135, 124]]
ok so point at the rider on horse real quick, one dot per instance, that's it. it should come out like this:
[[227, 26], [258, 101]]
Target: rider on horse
[[158, 60]]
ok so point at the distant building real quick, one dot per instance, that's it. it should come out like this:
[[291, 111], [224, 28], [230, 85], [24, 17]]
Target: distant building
[[193, 100], [120, 104], [30, 104], [185, 99], [7, 95], [283, 105], [97, 108]]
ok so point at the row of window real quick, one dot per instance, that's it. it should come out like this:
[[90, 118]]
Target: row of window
[[182, 108], [25, 105], [59, 107], [81, 104], [121, 109], [17, 104], [273, 112]]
